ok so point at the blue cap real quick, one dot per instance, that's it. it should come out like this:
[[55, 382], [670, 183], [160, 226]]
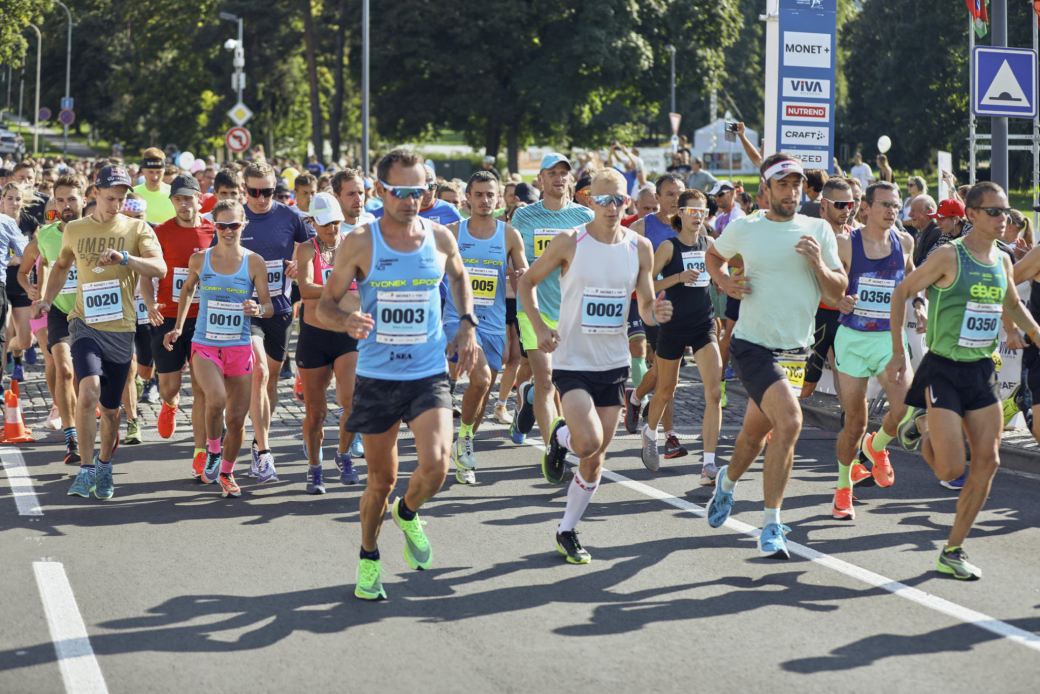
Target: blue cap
[[552, 159], [368, 183]]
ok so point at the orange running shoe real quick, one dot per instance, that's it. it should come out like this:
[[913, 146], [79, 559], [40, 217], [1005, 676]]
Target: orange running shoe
[[228, 486], [843, 504], [861, 476], [167, 423], [883, 473], [298, 388], [198, 463]]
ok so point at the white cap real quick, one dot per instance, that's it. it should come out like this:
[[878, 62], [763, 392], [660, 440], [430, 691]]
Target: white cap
[[721, 187], [325, 209]]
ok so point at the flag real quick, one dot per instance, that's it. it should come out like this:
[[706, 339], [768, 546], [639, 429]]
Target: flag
[[981, 17]]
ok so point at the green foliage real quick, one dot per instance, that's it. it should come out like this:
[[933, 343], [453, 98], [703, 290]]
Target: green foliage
[[15, 16]]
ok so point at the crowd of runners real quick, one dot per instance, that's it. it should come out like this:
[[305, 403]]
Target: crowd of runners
[[582, 293]]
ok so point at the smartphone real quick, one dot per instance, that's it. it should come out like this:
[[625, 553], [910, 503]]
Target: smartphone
[[731, 127]]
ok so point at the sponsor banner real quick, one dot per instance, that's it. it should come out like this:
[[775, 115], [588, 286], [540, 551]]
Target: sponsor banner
[[805, 111], [819, 159], [802, 88], [802, 49], [804, 135]]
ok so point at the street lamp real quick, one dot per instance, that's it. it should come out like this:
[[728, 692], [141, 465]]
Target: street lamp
[[68, 73], [671, 49], [365, 21], [39, 47], [239, 61]]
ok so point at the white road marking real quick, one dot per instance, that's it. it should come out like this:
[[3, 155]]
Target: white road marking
[[21, 482], [932, 602], [79, 668]]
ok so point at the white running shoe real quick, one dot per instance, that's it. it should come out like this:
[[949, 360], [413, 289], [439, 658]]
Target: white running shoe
[[53, 419], [502, 415]]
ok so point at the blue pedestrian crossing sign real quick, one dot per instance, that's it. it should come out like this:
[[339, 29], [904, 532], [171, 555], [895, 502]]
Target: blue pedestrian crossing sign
[[1004, 82]]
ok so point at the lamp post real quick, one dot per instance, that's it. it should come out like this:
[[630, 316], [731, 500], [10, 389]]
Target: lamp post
[[39, 47], [68, 72], [239, 60], [365, 21], [671, 49]]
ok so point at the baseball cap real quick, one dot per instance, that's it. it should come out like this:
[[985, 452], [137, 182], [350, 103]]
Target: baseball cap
[[583, 182], [431, 175], [949, 208], [489, 160], [720, 187], [525, 192], [782, 168], [552, 159], [115, 175], [325, 209], [185, 184]]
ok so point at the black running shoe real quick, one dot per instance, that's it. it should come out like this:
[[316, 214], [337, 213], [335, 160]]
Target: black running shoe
[[568, 545], [554, 459], [631, 412], [72, 453], [525, 410]]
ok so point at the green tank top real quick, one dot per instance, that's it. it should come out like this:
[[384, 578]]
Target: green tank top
[[963, 319], [48, 239]]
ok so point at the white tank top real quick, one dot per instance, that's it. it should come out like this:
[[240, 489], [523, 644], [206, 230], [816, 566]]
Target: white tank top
[[594, 304]]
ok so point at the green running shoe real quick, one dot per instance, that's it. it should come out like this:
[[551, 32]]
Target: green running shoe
[[907, 432], [724, 400], [105, 488], [369, 580], [955, 562], [417, 550], [86, 482], [567, 544], [554, 458], [1010, 405], [133, 432]]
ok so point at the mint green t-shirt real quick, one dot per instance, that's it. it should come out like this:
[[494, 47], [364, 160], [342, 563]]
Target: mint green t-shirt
[[160, 209], [780, 312]]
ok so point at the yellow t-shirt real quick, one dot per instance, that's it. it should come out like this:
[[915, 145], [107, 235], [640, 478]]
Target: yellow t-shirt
[[105, 299], [160, 209]]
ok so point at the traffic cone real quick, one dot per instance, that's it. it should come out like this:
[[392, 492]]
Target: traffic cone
[[14, 425]]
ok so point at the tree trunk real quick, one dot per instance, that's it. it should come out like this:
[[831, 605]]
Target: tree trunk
[[513, 145], [312, 79], [493, 136], [336, 116]]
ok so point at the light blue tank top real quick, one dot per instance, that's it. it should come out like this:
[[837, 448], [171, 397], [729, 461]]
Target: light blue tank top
[[400, 293], [221, 322], [485, 259], [656, 231]]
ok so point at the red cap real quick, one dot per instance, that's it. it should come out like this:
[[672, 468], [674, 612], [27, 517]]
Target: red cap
[[949, 208]]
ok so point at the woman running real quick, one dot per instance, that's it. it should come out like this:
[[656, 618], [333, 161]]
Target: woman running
[[221, 354]]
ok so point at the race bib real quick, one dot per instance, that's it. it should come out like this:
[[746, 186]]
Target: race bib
[[224, 320], [485, 285], [694, 260], [980, 325], [793, 363], [71, 282], [275, 278], [325, 276], [875, 297], [542, 237], [402, 317], [603, 311], [102, 301], [142, 310], [180, 276]]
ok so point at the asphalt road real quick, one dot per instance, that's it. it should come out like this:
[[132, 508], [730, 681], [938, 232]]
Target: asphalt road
[[180, 590]]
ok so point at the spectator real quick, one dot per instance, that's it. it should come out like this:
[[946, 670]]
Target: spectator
[[836, 169], [488, 164], [631, 168], [1019, 233], [928, 232], [679, 165], [915, 185], [949, 217], [755, 155], [884, 171], [860, 171], [815, 180], [725, 194], [699, 178]]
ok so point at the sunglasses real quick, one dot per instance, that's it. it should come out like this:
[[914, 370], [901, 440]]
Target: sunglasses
[[231, 226], [605, 200], [51, 215], [405, 192], [993, 211], [694, 211], [841, 204], [891, 205], [286, 196], [260, 192]]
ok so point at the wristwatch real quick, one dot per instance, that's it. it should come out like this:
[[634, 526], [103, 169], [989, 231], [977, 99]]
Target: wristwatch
[[471, 318]]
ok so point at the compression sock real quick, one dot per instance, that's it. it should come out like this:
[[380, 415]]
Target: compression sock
[[579, 494], [638, 370], [844, 476], [725, 484], [213, 445], [771, 515], [465, 430], [403, 512], [70, 434], [563, 436], [226, 466], [880, 440], [374, 555]]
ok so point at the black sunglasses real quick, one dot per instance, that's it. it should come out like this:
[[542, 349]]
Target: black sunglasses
[[233, 226], [993, 211], [260, 192]]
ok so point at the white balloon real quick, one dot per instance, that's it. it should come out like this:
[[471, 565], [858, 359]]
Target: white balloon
[[884, 143], [185, 160], [199, 165]]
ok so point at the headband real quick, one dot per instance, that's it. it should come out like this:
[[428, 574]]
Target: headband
[[783, 168], [130, 205], [153, 163]]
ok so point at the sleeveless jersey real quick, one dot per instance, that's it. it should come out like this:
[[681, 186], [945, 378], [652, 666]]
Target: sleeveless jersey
[[538, 226], [963, 319], [485, 260], [322, 270], [400, 293], [873, 280], [594, 308], [692, 309], [48, 240], [221, 322], [656, 231]]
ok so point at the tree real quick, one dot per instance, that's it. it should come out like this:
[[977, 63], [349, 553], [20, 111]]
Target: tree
[[15, 16]]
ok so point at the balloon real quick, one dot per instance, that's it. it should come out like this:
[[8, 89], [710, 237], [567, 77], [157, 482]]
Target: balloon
[[199, 165], [884, 144], [185, 160]]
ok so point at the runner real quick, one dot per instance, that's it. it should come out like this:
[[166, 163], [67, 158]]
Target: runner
[[153, 190], [679, 262], [15, 199], [968, 287], [590, 347], [273, 232], [322, 353], [538, 223], [876, 258], [103, 321], [181, 238], [485, 245], [401, 366], [221, 353], [141, 364], [790, 261]]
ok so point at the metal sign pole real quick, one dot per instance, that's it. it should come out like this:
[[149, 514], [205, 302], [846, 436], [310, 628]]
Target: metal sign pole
[[1036, 130], [365, 20], [999, 153], [971, 113]]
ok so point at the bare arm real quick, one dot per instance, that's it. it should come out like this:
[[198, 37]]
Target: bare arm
[[653, 310], [149, 264], [352, 261], [56, 281], [305, 272], [29, 256], [939, 269], [465, 342], [258, 274], [558, 254], [515, 250], [749, 149]]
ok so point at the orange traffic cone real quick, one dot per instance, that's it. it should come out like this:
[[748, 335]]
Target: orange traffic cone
[[14, 425]]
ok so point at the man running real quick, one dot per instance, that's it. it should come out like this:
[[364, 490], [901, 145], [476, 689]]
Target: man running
[[876, 258], [790, 262], [398, 262], [590, 344], [103, 321], [155, 193], [181, 238], [968, 289], [538, 224], [486, 246]]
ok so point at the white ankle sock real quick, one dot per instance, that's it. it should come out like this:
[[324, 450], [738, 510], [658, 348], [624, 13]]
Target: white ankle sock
[[725, 484], [563, 437], [709, 458], [771, 515], [634, 399], [579, 494]]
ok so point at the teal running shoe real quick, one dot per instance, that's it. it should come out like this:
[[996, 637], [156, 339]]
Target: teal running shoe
[[105, 488], [84, 484], [721, 502], [772, 543]]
